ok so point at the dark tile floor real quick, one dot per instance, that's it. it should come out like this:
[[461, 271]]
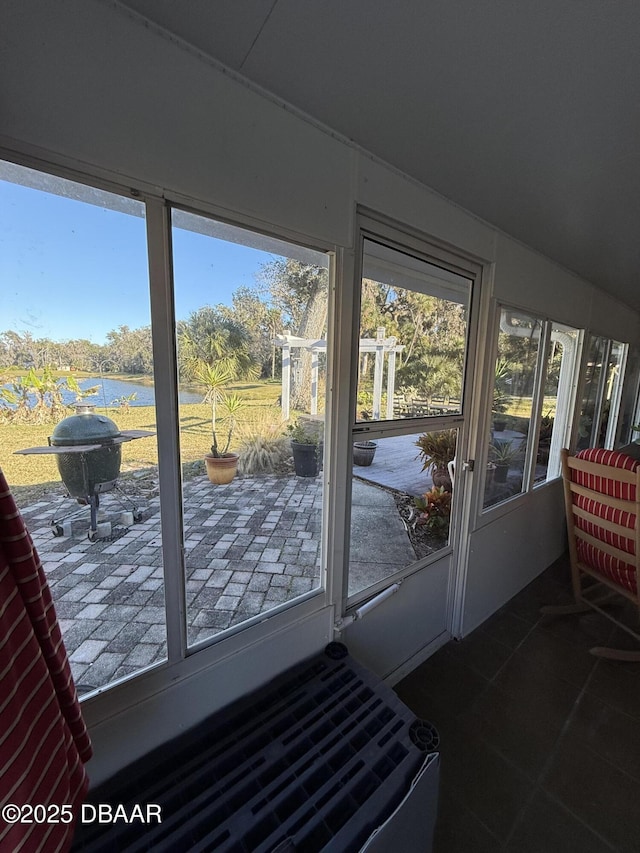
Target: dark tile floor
[[540, 740]]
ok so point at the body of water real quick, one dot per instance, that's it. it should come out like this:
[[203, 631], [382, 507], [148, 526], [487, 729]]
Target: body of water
[[110, 391]]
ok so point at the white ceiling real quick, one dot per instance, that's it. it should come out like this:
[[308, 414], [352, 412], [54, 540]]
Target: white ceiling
[[527, 114]]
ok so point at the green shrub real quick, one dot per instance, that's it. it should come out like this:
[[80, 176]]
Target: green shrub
[[264, 455], [434, 510]]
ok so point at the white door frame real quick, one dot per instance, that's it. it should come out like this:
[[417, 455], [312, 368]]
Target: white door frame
[[407, 240]]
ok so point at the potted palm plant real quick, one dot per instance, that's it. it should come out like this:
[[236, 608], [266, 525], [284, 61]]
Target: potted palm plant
[[503, 455], [544, 437], [437, 449], [221, 464]]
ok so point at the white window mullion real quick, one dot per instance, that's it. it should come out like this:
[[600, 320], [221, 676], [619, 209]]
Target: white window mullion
[[601, 393], [616, 396], [536, 408], [167, 414]]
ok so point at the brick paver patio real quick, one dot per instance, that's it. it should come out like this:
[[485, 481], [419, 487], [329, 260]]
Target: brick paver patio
[[250, 546]]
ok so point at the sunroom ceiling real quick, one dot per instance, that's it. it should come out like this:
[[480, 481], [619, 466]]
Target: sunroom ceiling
[[527, 115]]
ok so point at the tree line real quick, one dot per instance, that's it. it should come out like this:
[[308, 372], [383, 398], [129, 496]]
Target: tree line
[[286, 296]]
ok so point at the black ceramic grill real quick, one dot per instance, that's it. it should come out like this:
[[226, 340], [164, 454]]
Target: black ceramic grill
[[88, 451]]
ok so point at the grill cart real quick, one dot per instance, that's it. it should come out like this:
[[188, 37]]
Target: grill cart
[[88, 451]]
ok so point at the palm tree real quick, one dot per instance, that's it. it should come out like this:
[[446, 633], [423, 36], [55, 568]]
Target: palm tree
[[208, 338]]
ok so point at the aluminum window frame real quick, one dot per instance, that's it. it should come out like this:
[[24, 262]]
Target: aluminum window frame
[[183, 662], [373, 226], [490, 513]]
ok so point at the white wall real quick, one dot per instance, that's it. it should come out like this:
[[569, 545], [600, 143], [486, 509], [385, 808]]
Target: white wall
[[525, 278], [79, 78], [82, 84], [510, 551], [417, 604]]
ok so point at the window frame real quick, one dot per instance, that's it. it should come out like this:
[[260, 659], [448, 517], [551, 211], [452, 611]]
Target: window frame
[[168, 298], [183, 662], [405, 240], [486, 514], [612, 436]]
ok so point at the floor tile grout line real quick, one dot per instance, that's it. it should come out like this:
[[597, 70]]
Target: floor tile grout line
[[577, 818], [537, 786], [513, 652], [460, 804]]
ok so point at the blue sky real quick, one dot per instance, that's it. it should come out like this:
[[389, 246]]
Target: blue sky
[[69, 269]]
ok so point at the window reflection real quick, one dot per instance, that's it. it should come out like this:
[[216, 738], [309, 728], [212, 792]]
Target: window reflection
[[588, 425], [602, 393], [514, 384]]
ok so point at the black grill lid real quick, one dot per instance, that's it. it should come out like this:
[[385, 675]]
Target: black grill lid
[[85, 427]]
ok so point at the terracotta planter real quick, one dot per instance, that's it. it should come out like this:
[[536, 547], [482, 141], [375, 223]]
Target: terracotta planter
[[221, 469], [440, 477]]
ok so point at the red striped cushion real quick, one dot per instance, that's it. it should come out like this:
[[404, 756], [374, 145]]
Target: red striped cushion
[[622, 573], [43, 739], [617, 570], [625, 519], [626, 491]]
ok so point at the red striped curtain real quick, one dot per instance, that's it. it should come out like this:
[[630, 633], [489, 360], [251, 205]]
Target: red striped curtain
[[43, 739]]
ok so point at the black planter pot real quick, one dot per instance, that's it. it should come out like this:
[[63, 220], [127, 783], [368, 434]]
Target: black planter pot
[[306, 459], [363, 452], [500, 474]]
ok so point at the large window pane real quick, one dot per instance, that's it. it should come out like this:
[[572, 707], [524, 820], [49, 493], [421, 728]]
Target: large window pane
[[75, 326], [251, 333], [413, 325], [602, 393], [410, 369], [514, 385], [400, 504], [588, 424], [411, 361]]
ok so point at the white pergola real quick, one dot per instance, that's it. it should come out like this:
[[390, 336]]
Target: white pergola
[[380, 346]]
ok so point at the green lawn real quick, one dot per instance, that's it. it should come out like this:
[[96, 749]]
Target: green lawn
[[521, 406], [195, 436]]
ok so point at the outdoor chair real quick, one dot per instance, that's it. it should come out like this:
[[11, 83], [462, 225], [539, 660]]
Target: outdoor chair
[[602, 503]]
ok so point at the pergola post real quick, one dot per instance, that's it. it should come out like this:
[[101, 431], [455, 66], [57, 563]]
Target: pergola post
[[314, 381], [377, 373], [391, 382], [286, 380], [378, 345]]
